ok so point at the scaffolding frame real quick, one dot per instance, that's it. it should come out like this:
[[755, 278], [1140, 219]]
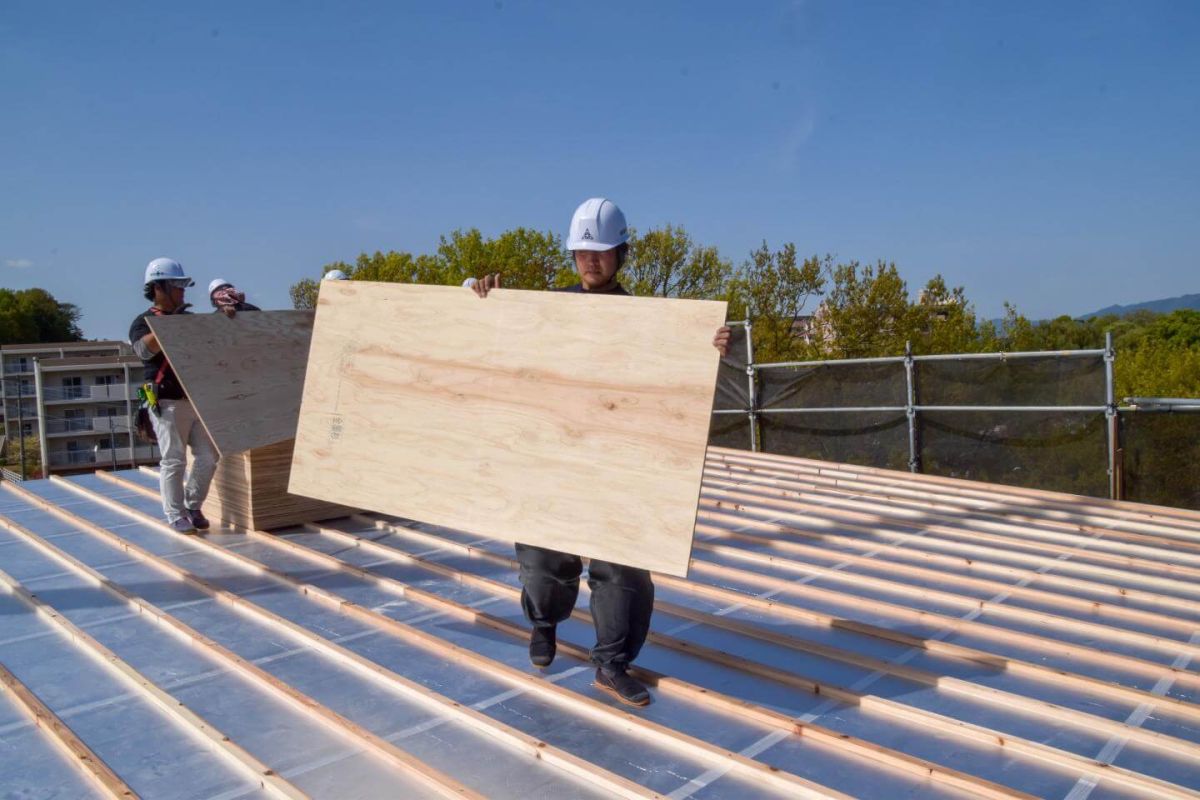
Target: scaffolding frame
[[912, 408]]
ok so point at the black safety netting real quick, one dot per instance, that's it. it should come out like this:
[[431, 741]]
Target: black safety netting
[[1160, 460], [1037, 381], [730, 430], [733, 392], [1065, 451], [733, 385], [1062, 451], [833, 386], [869, 438]]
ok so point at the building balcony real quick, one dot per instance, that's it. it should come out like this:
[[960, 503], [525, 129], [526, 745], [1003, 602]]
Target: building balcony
[[86, 426], [18, 369], [102, 457], [108, 393]]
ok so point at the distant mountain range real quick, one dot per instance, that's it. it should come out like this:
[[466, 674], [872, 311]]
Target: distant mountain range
[[1160, 306]]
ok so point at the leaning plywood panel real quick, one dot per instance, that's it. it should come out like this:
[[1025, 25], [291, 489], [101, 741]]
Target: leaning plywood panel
[[567, 421], [243, 375]]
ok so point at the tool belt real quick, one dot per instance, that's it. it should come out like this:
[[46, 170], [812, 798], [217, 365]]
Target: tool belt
[[148, 395]]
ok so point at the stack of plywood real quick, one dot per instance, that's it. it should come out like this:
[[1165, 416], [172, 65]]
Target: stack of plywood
[[250, 491], [244, 377]]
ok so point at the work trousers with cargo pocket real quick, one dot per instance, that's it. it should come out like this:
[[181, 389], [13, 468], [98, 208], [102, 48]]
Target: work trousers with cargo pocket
[[177, 427], [622, 600]]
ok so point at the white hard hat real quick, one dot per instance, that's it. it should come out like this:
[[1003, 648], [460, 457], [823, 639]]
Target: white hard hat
[[217, 283], [335, 275], [469, 282], [166, 269], [597, 225]]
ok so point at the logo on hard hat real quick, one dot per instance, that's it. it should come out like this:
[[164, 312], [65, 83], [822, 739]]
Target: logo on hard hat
[[587, 233]]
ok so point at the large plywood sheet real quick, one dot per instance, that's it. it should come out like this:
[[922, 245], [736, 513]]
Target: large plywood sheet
[[568, 421], [244, 375]]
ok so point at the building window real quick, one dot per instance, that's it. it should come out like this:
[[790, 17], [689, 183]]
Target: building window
[[72, 387]]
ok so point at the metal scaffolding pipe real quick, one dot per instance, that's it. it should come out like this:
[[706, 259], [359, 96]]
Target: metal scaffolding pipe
[[1008, 356]]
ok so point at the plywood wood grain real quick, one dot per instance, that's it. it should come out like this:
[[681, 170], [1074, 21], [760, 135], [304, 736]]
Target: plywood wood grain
[[568, 421], [243, 375]]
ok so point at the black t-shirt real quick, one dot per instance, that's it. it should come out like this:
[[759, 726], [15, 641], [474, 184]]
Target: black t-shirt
[[578, 288], [169, 388]]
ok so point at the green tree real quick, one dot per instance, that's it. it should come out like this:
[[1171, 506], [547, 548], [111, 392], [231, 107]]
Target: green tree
[[304, 293], [32, 316], [867, 311], [11, 457], [667, 263], [942, 321], [526, 258], [774, 289]]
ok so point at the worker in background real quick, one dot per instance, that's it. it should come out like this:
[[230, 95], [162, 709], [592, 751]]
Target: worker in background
[[175, 423], [622, 597], [227, 298]]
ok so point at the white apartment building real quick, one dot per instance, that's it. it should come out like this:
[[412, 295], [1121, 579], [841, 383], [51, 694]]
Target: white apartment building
[[78, 399]]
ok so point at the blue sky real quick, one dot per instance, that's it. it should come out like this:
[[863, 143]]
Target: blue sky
[[1041, 153]]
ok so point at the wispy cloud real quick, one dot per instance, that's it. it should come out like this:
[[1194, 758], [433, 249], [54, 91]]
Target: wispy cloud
[[18, 263], [797, 137]]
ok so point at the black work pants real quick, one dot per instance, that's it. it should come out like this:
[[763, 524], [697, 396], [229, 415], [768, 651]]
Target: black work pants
[[622, 600]]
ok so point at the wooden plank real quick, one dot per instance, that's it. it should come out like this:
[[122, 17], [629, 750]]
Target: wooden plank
[[1051, 503], [358, 736], [67, 741], [901, 502], [1051, 623], [243, 375], [823, 514], [936, 773], [895, 503], [988, 659], [998, 698], [1014, 588], [568, 421], [442, 784], [915, 543], [239, 758], [588, 706], [970, 732], [1182, 626]]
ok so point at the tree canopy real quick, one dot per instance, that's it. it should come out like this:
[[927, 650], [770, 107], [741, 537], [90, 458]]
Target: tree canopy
[[803, 308], [33, 316]]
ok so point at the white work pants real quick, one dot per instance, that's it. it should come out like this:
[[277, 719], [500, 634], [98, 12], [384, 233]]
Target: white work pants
[[177, 427]]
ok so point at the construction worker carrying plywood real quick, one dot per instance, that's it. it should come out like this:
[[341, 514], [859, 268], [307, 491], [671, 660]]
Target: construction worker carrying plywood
[[227, 299], [622, 597], [175, 424]]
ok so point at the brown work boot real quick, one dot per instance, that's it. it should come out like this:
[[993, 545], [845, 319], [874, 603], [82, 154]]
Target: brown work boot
[[620, 684]]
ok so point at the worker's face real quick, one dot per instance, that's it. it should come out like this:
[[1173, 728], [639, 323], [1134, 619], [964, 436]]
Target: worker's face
[[169, 294], [596, 268]]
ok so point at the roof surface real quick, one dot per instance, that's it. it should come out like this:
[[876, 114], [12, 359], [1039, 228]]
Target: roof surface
[[844, 632]]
